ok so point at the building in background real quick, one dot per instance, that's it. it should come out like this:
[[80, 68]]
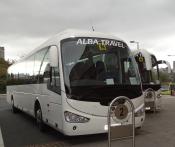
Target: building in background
[[173, 66], [1, 52]]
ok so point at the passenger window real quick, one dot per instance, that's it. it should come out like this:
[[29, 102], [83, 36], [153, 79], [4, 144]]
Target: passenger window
[[21, 71], [39, 56], [52, 76], [44, 63], [29, 70], [44, 69], [53, 83], [55, 79]]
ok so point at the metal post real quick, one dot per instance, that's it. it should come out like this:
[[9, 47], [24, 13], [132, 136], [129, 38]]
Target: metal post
[[109, 119], [109, 126], [154, 97], [136, 43]]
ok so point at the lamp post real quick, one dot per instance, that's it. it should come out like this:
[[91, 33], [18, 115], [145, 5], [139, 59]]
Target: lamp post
[[173, 63], [172, 75], [136, 43]]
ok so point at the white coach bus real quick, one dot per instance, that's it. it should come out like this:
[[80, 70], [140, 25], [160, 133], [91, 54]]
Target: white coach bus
[[149, 72], [69, 81]]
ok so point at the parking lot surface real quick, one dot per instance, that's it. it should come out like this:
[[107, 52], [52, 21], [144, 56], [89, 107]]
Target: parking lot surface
[[19, 130]]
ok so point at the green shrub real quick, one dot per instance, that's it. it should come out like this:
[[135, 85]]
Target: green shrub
[[2, 86], [167, 92]]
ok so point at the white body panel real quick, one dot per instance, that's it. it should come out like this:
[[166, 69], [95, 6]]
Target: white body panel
[[54, 114], [148, 64]]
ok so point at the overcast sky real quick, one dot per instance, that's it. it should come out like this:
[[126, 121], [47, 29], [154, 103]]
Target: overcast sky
[[25, 24]]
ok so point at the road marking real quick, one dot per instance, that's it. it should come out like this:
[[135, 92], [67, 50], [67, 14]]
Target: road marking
[[1, 139], [51, 144]]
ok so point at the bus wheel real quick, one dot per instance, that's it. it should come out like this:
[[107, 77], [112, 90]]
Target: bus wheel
[[14, 109], [39, 119]]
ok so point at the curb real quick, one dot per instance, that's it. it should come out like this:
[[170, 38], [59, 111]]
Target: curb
[[1, 139]]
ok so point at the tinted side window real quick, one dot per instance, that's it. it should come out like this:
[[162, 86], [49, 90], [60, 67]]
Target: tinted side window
[[44, 69], [39, 57], [17, 74], [52, 75], [54, 80], [21, 68], [13, 72], [29, 70]]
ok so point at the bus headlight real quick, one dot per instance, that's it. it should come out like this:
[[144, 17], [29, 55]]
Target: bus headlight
[[140, 111], [74, 118]]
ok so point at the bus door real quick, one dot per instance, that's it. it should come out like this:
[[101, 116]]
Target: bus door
[[54, 99]]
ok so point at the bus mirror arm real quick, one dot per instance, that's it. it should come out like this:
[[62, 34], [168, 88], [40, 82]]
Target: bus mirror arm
[[165, 62]]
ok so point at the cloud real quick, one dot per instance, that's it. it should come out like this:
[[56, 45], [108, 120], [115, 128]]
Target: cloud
[[17, 46], [25, 24], [38, 18]]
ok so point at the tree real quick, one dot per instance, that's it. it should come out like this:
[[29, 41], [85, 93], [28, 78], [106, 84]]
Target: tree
[[165, 77], [3, 74]]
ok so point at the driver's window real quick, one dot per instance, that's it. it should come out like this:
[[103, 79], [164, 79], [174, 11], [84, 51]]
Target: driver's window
[[55, 78], [51, 75], [129, 72]]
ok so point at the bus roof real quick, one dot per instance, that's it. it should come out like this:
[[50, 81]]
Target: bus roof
[[68, 34], [144, 52], [147, 55], [75, 33]]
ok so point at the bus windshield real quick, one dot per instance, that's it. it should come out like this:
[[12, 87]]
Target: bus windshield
[[90, 62]]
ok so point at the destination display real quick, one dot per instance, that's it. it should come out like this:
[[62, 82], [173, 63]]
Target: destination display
[[103, 42]]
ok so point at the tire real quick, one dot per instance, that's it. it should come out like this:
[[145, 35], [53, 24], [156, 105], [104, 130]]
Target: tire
[[39, 119], [14, 109]]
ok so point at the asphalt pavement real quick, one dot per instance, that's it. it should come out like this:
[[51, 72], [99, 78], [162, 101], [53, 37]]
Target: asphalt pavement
[[19, 130], [1, 139]]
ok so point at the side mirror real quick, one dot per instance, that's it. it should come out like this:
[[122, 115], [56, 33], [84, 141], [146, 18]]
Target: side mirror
[[53, 54], [169, 66], [165, 62]]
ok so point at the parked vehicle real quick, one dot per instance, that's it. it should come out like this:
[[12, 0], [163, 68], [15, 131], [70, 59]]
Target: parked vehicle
[[149, 73], [69, 81]]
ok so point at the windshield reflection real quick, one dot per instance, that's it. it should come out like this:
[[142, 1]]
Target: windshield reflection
[[97, 64]]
